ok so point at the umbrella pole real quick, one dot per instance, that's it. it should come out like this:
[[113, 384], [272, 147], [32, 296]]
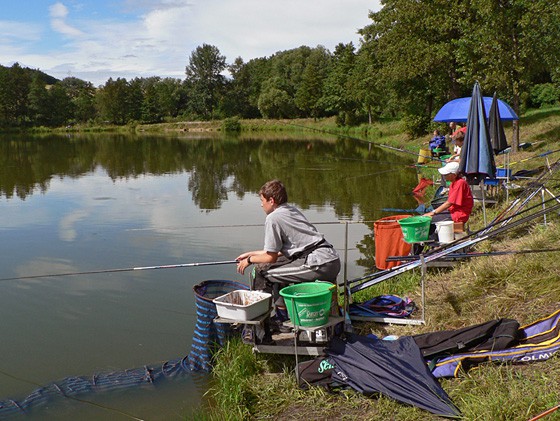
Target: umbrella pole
[[506, 166], [483, 201]]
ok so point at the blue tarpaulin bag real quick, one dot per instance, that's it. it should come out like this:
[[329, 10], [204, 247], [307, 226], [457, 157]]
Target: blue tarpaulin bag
[[384, 306]]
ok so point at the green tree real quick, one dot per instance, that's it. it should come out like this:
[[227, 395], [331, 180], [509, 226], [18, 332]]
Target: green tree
[[60, 106], [205, 80], [275, 102], [82, 95], [431, 51], [338, 92], [514, 45], [310, 90], [414, 44], [172, 96], [134, 99], [112, 101], [249, 79], [238, 98], [368, 87], [38, 102], [14, 89], [151, 109]]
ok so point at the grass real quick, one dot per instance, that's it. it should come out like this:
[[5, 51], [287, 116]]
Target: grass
[[524, 287]]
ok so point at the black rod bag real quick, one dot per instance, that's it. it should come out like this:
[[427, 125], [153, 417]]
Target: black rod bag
[[494, 335]]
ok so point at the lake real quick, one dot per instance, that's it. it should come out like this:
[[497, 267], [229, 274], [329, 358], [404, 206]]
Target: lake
[[92, 203]]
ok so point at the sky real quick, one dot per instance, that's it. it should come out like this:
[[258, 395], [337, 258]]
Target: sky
[[97, 39]]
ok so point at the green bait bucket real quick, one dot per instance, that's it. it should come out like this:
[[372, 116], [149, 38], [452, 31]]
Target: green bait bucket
[[416, 228], [308, 303]]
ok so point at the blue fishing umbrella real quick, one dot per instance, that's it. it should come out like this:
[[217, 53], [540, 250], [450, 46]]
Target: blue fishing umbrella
[[477, 157], [496, 128], [458, 110]]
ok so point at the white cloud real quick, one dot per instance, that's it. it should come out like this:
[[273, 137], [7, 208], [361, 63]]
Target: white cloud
[[18, 31], [58, 13], [159, 40], [67, 225]]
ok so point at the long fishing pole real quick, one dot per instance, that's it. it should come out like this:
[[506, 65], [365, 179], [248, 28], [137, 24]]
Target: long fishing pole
[[374, 278], [363, 140], [91, 272], [545, 413], [528, 193], [475, 254], [542, 155]]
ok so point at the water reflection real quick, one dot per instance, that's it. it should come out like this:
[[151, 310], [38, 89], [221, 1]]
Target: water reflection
[[89, 202], [343, 173]]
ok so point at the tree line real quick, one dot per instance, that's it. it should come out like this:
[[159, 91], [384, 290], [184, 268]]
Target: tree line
[[413, 57]]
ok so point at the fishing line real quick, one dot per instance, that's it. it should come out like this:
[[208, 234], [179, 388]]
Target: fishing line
[[91, 272], [171, 266], [542, 155], [477, 254], [526, 195], [474, 238], [366, 141], [374, 173], [243, 225]]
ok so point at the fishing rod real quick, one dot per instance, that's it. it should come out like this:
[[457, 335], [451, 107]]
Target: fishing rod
[[91, 272], [375, 278], [363, 140], [472, 239], [542, 155], [545, 413], [475, 254], [528, 193]]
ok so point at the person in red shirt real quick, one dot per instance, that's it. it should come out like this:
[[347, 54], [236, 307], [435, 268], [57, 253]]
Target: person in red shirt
[[459, 203]]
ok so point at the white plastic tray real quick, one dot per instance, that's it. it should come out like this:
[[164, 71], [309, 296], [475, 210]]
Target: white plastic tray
[[243, 305]]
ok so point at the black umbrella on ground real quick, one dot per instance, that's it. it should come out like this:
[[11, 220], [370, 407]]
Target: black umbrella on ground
[[496, 128], [392, 368], [477, 156]]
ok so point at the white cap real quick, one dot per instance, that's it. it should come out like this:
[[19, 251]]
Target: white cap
[[450, 168]]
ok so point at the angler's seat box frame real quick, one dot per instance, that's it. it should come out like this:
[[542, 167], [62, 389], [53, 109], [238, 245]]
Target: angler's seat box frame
[[301, 340]]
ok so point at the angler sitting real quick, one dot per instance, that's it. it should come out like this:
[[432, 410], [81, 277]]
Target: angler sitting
[[458, 139], [459, 203], [294, 251], [437, 144]]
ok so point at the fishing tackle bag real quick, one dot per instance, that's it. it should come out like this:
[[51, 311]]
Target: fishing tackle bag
[[384, 306], [493, 335], [538, 341]]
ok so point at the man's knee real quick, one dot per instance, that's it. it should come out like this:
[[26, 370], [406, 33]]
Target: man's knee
[[258, 281]]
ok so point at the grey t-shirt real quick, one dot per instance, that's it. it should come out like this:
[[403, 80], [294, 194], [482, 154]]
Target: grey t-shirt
[[288, 231]]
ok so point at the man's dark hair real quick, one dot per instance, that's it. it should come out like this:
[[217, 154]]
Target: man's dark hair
[[276, 190]]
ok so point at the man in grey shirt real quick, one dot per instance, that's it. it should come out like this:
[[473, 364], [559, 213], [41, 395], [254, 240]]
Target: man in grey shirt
[[294, 251]]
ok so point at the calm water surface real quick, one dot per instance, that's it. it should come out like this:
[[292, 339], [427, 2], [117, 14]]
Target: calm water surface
[[86, 203]]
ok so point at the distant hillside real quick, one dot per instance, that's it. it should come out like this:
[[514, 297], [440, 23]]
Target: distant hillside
[[49, 80]]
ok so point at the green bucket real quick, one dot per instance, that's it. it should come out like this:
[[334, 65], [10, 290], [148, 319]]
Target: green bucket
[[308, 303], [415, 228]]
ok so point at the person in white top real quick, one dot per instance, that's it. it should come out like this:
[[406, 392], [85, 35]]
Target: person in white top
[[458, 140]]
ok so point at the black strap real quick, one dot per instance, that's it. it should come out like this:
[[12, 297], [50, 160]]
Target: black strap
[[308, 250]]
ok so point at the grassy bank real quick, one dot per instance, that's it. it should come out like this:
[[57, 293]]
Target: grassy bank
[[524, 287]]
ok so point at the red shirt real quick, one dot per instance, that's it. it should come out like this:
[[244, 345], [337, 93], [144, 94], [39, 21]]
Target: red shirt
[[462, 129], [461, 200]]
